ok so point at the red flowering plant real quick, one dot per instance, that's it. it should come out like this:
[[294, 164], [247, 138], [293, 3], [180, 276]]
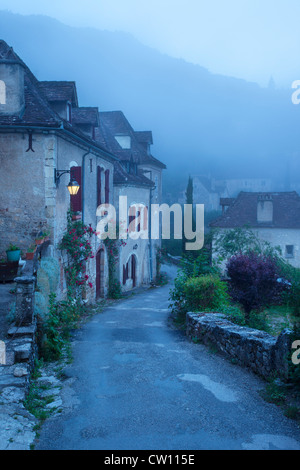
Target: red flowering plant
[[76, 242]]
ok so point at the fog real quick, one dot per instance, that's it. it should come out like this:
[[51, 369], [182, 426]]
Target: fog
[[203, 123]]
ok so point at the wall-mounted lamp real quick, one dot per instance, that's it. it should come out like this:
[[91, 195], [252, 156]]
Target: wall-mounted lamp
[[73, 186]]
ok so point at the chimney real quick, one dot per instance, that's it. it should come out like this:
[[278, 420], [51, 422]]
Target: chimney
[[12, 95], [265, 208]]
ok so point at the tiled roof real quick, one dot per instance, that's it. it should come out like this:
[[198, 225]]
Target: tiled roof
[[121, 176], [59, 91], [243, 211], [114, 123], [38, 112], [85, 116], [38, 97], [8, 54], [144, 137]]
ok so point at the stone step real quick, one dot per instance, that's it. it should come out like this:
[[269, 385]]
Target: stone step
[[21, 331], [11, 381]]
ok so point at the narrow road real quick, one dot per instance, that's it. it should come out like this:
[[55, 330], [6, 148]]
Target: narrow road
[[140, 385]]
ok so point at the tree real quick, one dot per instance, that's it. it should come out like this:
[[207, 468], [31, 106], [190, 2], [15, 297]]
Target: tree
[[253, 281], [228, 243], [189, 200]]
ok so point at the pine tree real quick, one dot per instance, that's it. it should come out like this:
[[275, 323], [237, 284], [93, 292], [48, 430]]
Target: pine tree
[[189, 200]]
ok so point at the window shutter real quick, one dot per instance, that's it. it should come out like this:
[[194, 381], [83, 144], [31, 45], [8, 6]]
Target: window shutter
[[145, 218], [107, 187], [131, 219], [76, 201], [99, 186]]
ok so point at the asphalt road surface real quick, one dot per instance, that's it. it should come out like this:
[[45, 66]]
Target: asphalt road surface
[[137, 384]]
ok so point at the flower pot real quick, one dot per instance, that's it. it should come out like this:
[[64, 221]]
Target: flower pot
[[40, 241], [13, 255], [30, 256]]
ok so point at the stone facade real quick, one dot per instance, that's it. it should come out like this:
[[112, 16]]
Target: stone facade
[[262, 353], [43, 130]]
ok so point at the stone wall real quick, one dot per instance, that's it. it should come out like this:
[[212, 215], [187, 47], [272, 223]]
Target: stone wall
[[262, 353]]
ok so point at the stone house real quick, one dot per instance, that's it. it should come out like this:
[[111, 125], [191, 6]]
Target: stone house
[[46, 138], [273, 216], [138, 176]]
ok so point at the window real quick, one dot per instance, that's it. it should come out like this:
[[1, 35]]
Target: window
[[124, 141], [76, 201], [2, 92], [131, 220], [289, 251], [107, 187], [99, 186], [69, 113]]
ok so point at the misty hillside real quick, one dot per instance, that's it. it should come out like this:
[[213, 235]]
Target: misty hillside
[[201, 122]]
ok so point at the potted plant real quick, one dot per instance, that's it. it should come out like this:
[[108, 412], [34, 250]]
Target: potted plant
[[39, 240], [30, 252], [13, 253], [46, 236]]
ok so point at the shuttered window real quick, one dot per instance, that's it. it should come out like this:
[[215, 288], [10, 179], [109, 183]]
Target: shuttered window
[[76, 201], [107, 187], [99, 186]]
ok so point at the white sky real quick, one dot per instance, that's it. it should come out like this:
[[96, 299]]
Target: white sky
[[251, 39]]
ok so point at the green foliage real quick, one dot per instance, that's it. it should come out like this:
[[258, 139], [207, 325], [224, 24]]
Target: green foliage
[[177, 295], [76, 243], [205, 293], [234, 314], [13, 248], [294, 369], [274, 393], [200, 266], [228, 243], [258, 321], [294, 298], [114, 286], [190, 268], [62, 317]]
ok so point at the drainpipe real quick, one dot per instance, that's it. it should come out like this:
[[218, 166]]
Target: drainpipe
[[150, 229], [83, 183], [149, 235]]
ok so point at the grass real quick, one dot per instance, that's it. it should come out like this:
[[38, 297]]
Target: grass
[[278, 318]]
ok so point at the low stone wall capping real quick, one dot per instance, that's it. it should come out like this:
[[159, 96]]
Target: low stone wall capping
[[261, 352]]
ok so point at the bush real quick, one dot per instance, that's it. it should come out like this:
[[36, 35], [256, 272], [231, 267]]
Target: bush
[[177, 298], [294, 298], [205, 293], [253, 281], [234, 314]]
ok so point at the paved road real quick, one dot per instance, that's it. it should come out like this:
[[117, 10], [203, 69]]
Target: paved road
[[138, 384]]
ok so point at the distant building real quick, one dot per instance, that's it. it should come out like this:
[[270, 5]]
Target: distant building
[[209, 191], [273, 216]]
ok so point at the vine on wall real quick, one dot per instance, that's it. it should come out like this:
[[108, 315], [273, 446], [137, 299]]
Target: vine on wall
[[113, 245], [76, 242]]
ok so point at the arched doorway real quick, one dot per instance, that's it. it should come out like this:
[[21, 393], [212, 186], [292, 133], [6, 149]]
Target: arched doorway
[[100, 274], [129, 270]]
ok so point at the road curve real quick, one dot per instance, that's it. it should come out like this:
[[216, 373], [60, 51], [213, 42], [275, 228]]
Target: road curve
[[137, 384]]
